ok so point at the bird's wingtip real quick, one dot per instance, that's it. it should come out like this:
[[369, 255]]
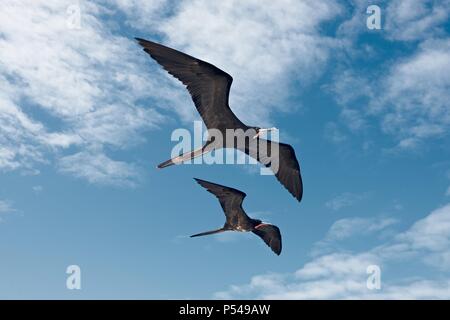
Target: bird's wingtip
[[199, 181], [277, 251], [297, 192], [141, 41]]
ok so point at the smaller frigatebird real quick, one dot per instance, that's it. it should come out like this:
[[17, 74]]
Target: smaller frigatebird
[[236, 219]]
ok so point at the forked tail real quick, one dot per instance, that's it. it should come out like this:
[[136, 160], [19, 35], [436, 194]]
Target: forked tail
[[184, 157], [208, 233]]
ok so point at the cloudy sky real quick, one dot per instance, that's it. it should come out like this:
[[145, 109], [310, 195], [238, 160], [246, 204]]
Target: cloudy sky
[[85, 116]]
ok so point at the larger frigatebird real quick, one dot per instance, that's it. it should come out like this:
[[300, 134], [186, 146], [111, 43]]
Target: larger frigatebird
[[236, 219], [209, 88]]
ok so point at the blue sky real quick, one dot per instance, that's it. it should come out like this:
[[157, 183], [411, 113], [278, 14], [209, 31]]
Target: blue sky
[[85, 117]]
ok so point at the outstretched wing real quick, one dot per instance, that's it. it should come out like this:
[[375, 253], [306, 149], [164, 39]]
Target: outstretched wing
[[208, 85], [283, 163], [271, 236], [230, 199]]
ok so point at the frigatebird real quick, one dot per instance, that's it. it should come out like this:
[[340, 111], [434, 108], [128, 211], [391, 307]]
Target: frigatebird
[[209, 88], [236, 219]]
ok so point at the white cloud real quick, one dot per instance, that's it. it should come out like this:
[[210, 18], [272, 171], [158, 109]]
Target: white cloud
[[408, 96], [417, 289], [415, 20], [346, 199], [348, 227], [356, 24], [401, 20], [430, 237], [97, 168], [353, 119], [349, 87], [334, 134], [21, 138], [68, 87], [142, 14], [37, 188], [333, 276], [342, 275], [5, 206], [116, 125], [410, 101], [415, 100]]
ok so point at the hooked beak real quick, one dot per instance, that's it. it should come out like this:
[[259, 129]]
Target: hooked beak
[[260, 131]]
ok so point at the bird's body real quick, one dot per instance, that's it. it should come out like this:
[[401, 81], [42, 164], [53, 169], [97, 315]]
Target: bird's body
[[237, 220], [209, 88]]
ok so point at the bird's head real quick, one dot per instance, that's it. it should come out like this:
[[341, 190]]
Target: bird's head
[[259, 131]]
